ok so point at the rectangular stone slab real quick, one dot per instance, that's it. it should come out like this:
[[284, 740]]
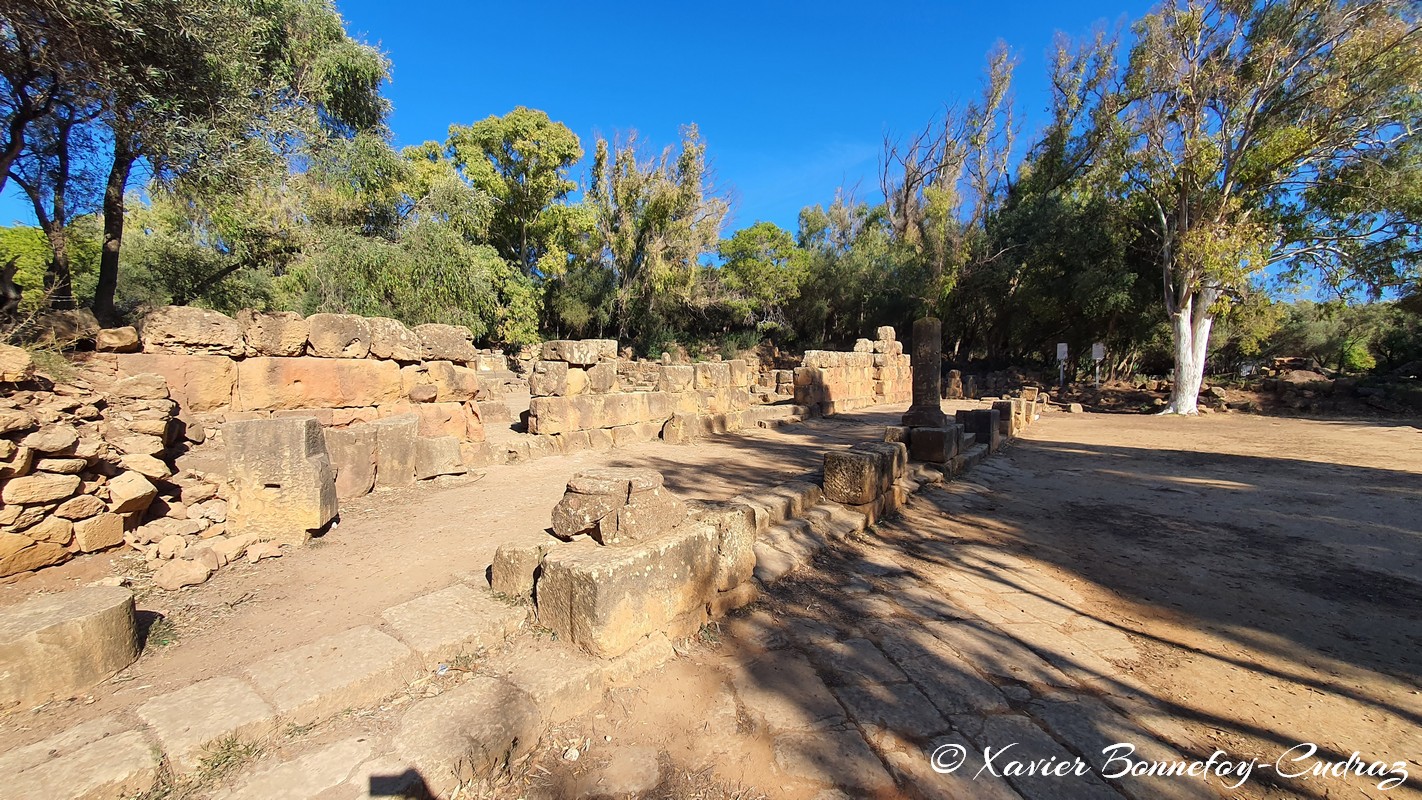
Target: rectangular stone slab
[[345, 670]]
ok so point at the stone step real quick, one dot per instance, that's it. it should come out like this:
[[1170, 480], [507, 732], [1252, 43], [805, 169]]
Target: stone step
[[779, 503], [973, 456], [796, 538], [770, 564], [834, 522]]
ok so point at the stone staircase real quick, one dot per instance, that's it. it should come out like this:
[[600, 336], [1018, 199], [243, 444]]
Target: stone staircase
[[775, 415]]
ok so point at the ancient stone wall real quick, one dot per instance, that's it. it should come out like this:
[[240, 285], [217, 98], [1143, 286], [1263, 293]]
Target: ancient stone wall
[[580, 389], [877, 371]]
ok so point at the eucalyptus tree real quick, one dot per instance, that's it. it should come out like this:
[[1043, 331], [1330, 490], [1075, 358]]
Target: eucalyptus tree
[[1281, 132]]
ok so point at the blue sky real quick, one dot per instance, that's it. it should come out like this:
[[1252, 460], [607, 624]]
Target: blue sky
[[793, 98]]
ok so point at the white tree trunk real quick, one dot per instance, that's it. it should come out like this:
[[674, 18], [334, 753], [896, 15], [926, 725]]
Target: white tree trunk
[[1191, 329]]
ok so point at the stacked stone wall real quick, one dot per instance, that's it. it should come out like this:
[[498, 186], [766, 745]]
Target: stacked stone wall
[[877, 371]]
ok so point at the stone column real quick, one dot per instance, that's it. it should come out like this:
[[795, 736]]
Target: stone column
[[926, 412]]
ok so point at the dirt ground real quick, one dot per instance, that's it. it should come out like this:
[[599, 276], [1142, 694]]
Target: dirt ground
[[1267, 573]]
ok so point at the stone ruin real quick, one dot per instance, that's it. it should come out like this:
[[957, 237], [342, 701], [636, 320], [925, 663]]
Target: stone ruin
[[628, 559]]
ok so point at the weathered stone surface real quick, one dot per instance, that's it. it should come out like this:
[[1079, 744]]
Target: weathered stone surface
[[191, 330], [52, 529], [548, 379], [352, 453], [437, 455], [514, 567], [197, 382], [602, 378], [926, 411], [578, 352], [58, 644], [390, 339], [315, 774], [446, 343], [39, 488], [735, 548], [395, 454], [265, 384], [337, 336], [146, 465], [130, 492], [345, 670], [273, 333], [190, 719], [181, 572], [468, 732], [615, 505], [80, 507], [101, 758], [282, 484], [117, 340], [934, 445], [98, 532], [19, 553], [676, 378], [885, 333], [851, 477], [454, 620], [52, 439], [453, 383], [16, 364], [605, 599], [63, 466]]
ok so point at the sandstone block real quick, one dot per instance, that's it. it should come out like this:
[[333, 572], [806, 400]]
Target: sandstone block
[[452, 383], [390, 339], [282, 484], [437, 455], [602, 378], [395, 455], [98, 532], [337, 336], [80, 507], [548, 379], [130, 492], [117, 340], [20, 553], [676, 378], [852, 477], [579, 353], [456, 619], [934, 445], [59, 644], [606, 599], [188, 720], [39, 488], [885, 333], [100, 758], [446, 343], [198, 383], [273, 333], [265, 384], [453, 738], [345, 670], [16, 364], [52, 439], [514, 567], [735, 526], [191, 330], [352, 451], [181, 572]]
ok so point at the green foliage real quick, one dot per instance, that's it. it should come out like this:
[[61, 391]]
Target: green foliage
[[521, 161], [764, 268], [31, 250]]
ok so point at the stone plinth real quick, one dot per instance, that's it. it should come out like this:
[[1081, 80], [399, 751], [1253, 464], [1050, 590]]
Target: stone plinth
[[57, 645], [283, 486]]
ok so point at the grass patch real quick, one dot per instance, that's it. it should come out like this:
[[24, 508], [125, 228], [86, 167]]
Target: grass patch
[[161, 633], [225, 756]]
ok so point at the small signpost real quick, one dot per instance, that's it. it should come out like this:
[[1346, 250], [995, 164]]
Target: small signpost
[[1098, 352], [1061, 364]]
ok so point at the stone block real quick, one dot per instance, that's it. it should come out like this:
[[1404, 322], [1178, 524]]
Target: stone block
[[189, 329], [897, 433], [437, 455], [187, 721], [984, 424], [852, 477], [198, 383], [453, 739], [1008, 418], [350, 669], [602, 378], [352, 453], [101, 758], [39, 488], [395, 454], [266, 384], [337, 336], [282, 485], [548, 379], [117, 340], [130, 492], [390, 339], [606, 599], [453, 620], [676, 378], [934, 445], [98, 532], [56, 645], [712, 375], [885, 333], [579, 353], [273, 333], [446, 343], [735, 525], [515, 567]]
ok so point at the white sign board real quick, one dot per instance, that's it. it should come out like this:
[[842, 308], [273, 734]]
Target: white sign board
[[1098, 351], [1061, 351]]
